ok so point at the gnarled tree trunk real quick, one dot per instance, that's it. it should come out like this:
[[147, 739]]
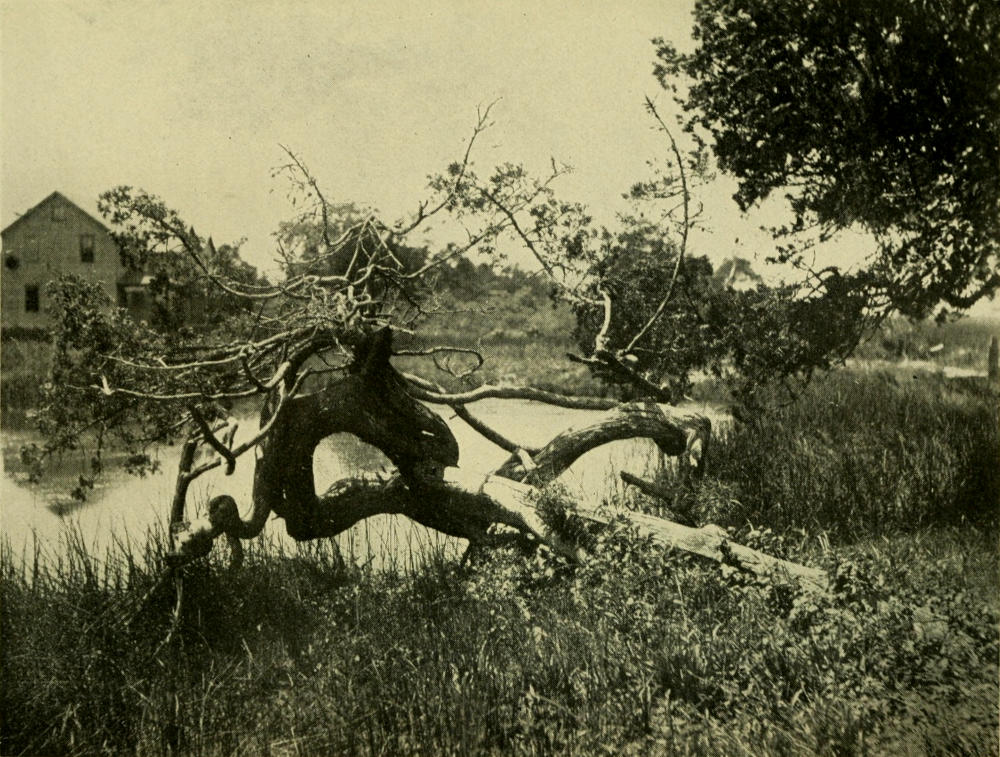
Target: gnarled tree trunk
[[376, 404]]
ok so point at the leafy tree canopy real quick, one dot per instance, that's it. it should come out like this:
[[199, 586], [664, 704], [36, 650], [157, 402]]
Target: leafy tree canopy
[[881, 115]]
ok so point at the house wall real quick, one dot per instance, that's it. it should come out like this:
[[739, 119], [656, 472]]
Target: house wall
[[45, 247]]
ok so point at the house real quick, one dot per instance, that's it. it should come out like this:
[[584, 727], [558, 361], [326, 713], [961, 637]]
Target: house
[[54, 237], [736, 273]]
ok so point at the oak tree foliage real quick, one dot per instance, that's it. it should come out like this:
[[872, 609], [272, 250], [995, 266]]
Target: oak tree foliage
[[882, 116]]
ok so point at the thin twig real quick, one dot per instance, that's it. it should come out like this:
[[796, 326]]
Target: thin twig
[[684, 229]]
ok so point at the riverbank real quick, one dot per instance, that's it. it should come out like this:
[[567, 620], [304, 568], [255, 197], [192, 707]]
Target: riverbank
[[891, 486]]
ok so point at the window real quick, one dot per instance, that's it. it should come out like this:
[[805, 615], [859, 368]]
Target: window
[[31, 298], [86, 248], [58, 212]]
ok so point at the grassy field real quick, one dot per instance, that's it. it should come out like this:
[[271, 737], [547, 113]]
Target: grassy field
[[889, 484]]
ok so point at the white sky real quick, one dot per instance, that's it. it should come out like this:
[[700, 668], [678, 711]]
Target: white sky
[[190, 100]]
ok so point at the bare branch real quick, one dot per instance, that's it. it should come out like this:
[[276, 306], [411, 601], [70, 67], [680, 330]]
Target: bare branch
[[508, 393], [487, 432], [310, 179], [434, 352], [607, 362], [111, 391], [601, 340], [482, 123], [658, 492], [283, 394], [684, 229], [183, 480], [212, 440], [528, 242]]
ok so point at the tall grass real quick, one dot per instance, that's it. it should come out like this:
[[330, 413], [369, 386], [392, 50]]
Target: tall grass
[[637, 651], [860, 455], [963, 343]]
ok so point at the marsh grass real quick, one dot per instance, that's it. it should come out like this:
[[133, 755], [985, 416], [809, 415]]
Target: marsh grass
[[860, 455], [635, 651], [885, 485], [963, 343]]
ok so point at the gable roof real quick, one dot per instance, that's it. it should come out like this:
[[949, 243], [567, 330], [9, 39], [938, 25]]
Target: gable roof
[[53, 196]]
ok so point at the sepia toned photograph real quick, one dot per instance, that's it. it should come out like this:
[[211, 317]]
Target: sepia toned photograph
[[515, 378]]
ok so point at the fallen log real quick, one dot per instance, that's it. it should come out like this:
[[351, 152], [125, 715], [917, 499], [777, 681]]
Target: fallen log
[[374, 403], [465, 507], [709, 541]]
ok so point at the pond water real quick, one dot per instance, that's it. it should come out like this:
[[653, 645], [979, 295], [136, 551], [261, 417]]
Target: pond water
[[124, 509]]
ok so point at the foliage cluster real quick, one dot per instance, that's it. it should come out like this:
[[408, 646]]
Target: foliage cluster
[[91, 346], [880, 116], [750, 338]]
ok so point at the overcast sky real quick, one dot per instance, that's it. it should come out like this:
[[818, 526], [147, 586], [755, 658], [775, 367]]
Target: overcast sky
[[191, 101]]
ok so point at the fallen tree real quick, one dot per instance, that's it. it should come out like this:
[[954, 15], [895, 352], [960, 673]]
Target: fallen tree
[[373, 403], [317, 349]]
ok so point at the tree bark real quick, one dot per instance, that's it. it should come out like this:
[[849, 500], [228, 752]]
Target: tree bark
[[675, 432]]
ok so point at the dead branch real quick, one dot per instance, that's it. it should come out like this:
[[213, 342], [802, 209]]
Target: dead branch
[[685, 227], [674, 431], [711, 542], [490, 391], [213, 441], [601, 340], [422, 214], [610, 364], [474, 423]]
